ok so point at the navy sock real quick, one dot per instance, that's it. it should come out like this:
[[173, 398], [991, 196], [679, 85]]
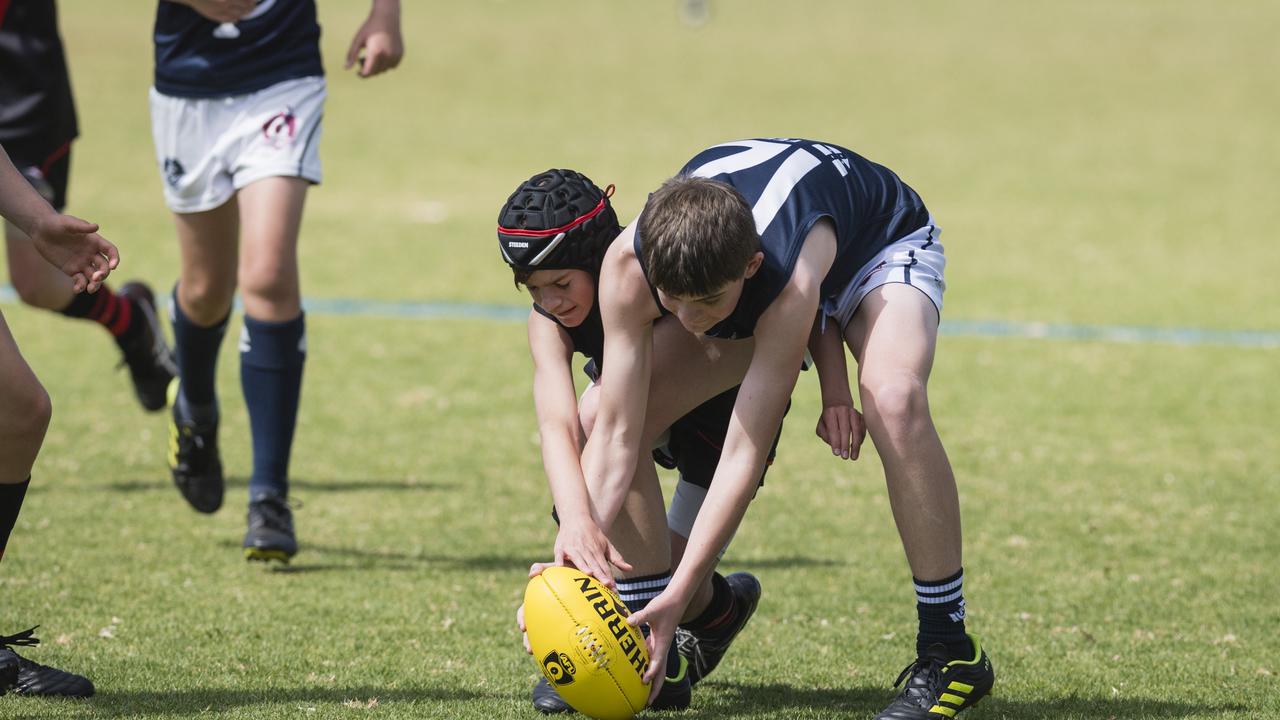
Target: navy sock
[[636, 592], [196, 353], [719, 611], [11, 496], [271, 359], [940, 605]]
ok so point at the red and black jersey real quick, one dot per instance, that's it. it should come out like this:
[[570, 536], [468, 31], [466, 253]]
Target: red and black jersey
[[37, 113]]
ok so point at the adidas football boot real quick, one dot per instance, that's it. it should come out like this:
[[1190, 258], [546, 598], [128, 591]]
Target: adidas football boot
[[147, 354], [270, 535], [30, 678], [676, 693], [705, 650], [193, 458], [937, 688]]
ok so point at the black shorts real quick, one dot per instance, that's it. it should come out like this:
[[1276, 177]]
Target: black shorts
[[695, 440], [47, 172]]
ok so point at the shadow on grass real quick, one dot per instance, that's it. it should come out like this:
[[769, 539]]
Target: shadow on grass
[[382, 559], [316, 486], [144, 703], [733, 698]]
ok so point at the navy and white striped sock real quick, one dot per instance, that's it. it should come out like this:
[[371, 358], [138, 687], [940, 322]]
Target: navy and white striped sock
[[940, 605], [636, 592]]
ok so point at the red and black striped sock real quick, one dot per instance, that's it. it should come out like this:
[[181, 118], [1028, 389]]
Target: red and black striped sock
[[107, 308]]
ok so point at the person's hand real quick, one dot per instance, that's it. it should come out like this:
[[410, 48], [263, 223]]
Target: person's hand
[[524, 630], [74, 246], [662, 615], [377, 46], [223, 11], [584, 546], [842, 427]]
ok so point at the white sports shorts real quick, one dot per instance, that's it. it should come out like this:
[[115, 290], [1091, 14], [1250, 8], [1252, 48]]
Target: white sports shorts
[[208, 148], [916, 260]]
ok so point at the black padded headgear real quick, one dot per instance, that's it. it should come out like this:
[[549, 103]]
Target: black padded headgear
[[557, 219]]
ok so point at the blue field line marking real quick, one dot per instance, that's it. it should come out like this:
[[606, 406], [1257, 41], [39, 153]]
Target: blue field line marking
[[1269, 339]]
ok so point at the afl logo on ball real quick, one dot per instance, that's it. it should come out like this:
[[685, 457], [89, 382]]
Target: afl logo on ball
[[558, 668]]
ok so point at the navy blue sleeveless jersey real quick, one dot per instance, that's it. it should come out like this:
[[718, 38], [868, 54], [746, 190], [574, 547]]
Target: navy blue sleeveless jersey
[[199, 58], [790, 185], [37, 113]]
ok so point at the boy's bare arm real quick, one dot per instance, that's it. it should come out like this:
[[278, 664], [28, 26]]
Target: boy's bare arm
[[628, 311], [70, 244], [579, 542], [840, 425]]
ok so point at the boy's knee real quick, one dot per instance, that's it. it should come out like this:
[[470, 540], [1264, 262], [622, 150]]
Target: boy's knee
[[204, 303], [30, 410], [33, 289], [895, 400]]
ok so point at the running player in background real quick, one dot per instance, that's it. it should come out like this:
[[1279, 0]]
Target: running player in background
[[37, 127], [236, 117], [74, 248]]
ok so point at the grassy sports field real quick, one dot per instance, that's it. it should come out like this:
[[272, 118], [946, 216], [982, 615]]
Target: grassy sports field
[[1094, 164]]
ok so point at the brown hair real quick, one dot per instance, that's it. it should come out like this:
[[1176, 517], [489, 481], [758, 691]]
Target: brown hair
[[696, 236]]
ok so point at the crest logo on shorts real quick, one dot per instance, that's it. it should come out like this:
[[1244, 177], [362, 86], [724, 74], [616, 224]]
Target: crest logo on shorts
[[173, 172], [281, 128]]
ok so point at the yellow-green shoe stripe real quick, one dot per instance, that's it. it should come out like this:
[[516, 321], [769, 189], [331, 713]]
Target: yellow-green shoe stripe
[[953, 699], [939, 709], [958, 686]]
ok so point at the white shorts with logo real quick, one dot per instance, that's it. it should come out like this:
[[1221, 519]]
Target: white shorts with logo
[[208, 148], [916, 260]]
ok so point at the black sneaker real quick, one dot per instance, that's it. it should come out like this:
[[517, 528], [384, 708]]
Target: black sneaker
[[705, 650], [29, 678], [937, 688], [676, 692], [270, 535], [193, 458], [147, 354], [547, 701]]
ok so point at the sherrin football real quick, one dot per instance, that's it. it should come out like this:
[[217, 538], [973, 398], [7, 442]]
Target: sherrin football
[[583, 644]]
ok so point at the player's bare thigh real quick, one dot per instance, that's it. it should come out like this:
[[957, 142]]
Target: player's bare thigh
[[270, 220], [24, 411], [688, 370], [894, 330], [38, 283]]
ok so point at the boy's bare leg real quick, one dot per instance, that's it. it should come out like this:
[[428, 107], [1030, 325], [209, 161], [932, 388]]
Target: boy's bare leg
[[209, 245], [25, 410], [270, 219], [893, 335]]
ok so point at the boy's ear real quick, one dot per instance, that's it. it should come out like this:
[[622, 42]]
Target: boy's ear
[[753, 264]]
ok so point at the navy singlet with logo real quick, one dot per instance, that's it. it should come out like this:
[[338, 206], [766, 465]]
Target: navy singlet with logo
[[199, 58], [790, 185]]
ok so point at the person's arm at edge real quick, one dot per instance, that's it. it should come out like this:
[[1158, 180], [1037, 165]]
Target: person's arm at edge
[[378, 45]]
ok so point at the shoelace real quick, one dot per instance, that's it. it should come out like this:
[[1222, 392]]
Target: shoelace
[[22, 639], [921, 691]]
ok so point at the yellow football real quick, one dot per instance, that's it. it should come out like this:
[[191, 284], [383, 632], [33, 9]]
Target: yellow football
[[583, 644]]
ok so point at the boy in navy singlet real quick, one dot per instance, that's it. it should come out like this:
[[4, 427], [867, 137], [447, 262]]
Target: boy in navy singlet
[[37, 127], [74, 248], [753, 240], [553, 232], [236, 117]]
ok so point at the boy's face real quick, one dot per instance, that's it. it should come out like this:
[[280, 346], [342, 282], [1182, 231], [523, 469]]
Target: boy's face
[[567, 294], [699, 314]]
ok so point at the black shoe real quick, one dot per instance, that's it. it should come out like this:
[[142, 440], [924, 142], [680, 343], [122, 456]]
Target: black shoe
[[146, 353], [937, 688], [29, 678], [270, 535], [193, 458], [546, 700], [705, 650], [676, 691]]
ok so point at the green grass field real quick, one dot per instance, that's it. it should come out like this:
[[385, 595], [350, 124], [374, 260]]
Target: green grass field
[[1093, 163]]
